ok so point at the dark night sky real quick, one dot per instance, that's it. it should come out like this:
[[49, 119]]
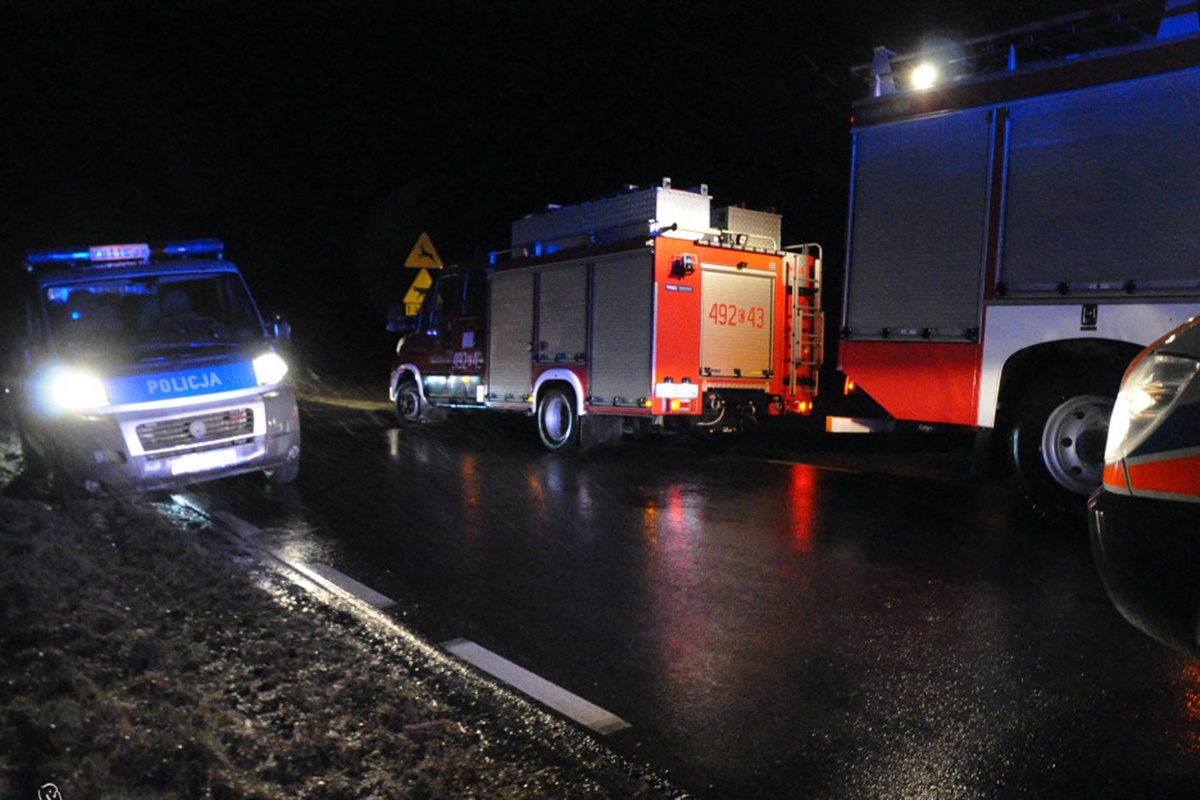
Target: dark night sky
[[319, 138]]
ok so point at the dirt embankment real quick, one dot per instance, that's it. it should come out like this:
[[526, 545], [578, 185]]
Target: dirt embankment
[[142, 655]]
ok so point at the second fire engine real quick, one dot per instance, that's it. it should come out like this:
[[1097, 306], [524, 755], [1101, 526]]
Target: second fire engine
[[645, 310]]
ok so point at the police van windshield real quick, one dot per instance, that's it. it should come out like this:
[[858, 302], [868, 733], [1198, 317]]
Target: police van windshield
[[152, 313]]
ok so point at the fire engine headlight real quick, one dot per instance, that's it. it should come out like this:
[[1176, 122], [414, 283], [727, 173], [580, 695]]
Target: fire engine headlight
[[66, 389], [1148, 393], [269, 368]]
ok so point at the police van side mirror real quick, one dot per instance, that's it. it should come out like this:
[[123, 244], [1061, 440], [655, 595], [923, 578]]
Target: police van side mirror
[[278, 327]]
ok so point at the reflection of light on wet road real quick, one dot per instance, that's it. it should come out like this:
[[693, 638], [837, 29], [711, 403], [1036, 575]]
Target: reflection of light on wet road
[[537, 492], [671, 528], [556, 490], [474, 519], [690, 664], [1188, 685], [802, 500], [468, 479], [411, 449]]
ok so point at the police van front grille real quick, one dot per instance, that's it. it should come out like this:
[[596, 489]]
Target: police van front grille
[[198, 430]]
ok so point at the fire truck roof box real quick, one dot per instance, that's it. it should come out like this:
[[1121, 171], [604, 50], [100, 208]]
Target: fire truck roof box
[[761, 229], [637, 212]]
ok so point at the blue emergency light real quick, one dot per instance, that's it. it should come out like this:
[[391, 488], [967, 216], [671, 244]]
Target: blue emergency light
[[111, 254], [192, 247]]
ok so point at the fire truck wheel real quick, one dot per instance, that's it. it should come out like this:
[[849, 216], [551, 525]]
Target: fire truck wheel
[[557, 422], [408, 402], [1057, 442]]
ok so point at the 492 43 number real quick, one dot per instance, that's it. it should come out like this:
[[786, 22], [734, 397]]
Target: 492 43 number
[[732, 315]]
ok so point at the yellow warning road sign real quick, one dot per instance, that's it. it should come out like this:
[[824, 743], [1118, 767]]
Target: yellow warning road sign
[[416, 293], [423, 255]]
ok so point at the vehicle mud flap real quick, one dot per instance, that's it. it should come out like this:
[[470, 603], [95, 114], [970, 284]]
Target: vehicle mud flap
[[600, 430]]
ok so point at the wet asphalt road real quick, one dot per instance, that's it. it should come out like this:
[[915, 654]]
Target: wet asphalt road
[[884, 627]]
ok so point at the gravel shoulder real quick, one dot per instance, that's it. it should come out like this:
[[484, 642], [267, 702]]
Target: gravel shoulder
[[145, 654]]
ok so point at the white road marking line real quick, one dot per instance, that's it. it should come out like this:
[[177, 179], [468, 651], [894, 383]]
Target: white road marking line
[[347, 584], [540, 689], [321, 573], [236, 524], [569, 705]]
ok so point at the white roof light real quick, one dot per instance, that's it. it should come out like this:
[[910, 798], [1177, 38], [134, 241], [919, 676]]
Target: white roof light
[[925, 76]]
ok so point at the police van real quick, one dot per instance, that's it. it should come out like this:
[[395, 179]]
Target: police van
[[141, 367]]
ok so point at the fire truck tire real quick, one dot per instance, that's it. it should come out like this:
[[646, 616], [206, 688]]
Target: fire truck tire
[[558, 424], [409, 407], [1056, 442]]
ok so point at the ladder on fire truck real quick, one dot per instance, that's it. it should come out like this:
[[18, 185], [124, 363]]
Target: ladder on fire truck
[[806, 321]]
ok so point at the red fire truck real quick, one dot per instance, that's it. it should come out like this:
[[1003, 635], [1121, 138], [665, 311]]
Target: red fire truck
[[648, 309], [1022, 227]]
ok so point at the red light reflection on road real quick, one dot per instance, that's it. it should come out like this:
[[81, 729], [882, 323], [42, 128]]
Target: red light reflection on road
[[468, 476], [670, 527], [1189, 686], [470, 488], [676, 509], [802, 501]]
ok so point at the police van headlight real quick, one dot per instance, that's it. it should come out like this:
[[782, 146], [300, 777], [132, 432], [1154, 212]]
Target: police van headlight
[[269, 368], [70, 389], [1148, 393]]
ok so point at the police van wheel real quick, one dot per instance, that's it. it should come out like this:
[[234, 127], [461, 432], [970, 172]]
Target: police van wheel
[[286, 474], [408, 402], [34, 461], [1056, 443], [558, 425]]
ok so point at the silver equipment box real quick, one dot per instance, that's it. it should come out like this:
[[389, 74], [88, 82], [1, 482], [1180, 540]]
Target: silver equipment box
[[640, 212]]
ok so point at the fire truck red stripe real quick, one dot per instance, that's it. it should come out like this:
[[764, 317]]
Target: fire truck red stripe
[[922, 381]]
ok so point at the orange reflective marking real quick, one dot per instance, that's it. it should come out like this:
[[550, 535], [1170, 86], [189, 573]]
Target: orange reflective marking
[[1179, 476], [1114, 478]]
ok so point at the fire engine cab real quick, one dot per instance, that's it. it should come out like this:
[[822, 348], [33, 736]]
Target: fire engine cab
[[1022, 222], [649, 309]]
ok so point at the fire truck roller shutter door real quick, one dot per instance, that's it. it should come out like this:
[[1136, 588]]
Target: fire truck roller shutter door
[[562, 314], [1076, 213], [918, 226], [622, 335], [510, 340]]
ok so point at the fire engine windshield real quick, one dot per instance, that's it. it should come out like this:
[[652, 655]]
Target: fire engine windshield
[[152, 313]]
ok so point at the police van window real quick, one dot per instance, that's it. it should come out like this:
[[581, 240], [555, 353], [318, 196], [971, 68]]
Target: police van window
[[136, 312], [85, 314], [216, 307]]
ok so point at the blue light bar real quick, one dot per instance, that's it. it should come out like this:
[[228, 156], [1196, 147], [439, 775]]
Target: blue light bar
[[56, 256], [123, 253], [100, 254], [118, 252], [192, 247]]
